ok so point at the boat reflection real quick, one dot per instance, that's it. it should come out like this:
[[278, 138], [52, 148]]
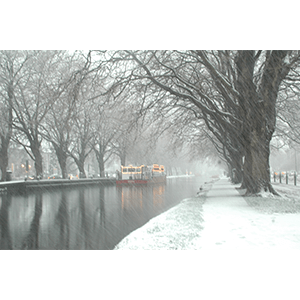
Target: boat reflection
[[133, 197]]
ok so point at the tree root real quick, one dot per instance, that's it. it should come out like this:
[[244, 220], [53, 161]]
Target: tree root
[[266, 189]]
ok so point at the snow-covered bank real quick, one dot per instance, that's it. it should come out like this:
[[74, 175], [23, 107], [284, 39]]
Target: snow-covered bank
[[218, 219], [176, 176], [175, 229]]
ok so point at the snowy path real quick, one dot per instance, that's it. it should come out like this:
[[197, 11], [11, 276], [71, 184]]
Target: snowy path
[[224, 222], [230, 223]]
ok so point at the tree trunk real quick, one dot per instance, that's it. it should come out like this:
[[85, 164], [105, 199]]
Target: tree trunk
[[3, 170], [101, 165], [62, 159], [81, 169], [80, 164], [259, 115], [100, 159], [256, 168], [63, 166], [264, 122], [123, 158], [3, 158], [38, 163], [5, 138], [38, 159], [236, 168]]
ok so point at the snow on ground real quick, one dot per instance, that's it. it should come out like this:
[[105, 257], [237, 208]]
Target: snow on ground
[[177, 176], [288, 190], [230, 223], [175, 229], [221, 219]]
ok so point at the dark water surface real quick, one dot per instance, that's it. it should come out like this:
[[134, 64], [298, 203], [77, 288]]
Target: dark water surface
[[91, 217]]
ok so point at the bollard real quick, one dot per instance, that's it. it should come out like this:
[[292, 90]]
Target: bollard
[[295, 178], [280, 177], [8, 175], [287, 177], [274, 176]]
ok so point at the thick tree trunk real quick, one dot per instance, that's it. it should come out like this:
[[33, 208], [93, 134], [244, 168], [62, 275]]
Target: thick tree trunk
[[62, 159], [100, 159], [256, 168], [237, 171], [235, 166], [80, 164], [81, 170], [63, 166], [3, 171], [259, 115], [38, 163], [101, 166], [3, 158], [5, 138]]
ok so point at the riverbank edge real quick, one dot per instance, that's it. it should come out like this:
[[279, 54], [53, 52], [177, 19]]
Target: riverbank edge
[[23, 186], [175, 229]]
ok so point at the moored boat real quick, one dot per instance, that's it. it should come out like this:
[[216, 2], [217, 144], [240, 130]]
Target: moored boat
[[141, 174]]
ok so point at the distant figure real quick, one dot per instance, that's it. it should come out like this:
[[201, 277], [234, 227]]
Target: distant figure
[[200, 190]]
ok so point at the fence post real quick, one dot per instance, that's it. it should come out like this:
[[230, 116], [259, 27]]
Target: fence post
[[280, 177]]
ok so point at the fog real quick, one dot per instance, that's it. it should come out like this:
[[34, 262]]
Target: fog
[[202, 114]]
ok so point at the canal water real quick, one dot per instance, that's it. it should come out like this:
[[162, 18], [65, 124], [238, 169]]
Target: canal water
[[90, 217]]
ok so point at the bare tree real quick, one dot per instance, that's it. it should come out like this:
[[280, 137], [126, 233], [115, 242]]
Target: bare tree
[[59, 122], [127, 128], [104, 131], [235, 92], [58, 132], [12, 65], [82, 131], [79, 148], [33, 99], [288, 105]]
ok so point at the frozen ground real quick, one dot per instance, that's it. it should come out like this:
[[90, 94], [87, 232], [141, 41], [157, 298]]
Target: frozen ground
[[221, 219]]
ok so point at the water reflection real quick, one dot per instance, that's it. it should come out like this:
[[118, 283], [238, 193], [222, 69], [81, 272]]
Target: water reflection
[[62, 219], [31, 240], [4, 223], [92, 217]]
